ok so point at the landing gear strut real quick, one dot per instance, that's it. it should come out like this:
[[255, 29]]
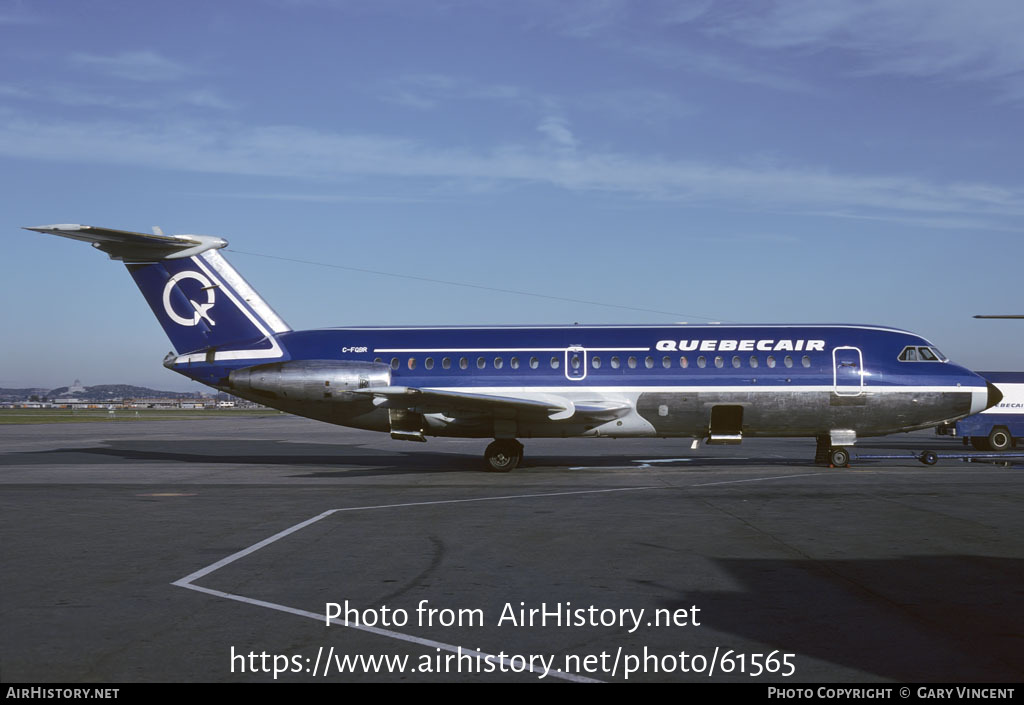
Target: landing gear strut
[[504, 455], [827, 454]]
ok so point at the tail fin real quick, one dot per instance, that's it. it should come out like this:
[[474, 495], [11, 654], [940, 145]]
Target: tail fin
[[204, 305]]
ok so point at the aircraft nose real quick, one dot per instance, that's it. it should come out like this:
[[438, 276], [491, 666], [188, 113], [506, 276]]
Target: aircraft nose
[[994, 395]]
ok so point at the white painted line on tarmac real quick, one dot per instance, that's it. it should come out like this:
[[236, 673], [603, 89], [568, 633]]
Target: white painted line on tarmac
[[389, 634], [188, 580], [302, 525], [759, 479]]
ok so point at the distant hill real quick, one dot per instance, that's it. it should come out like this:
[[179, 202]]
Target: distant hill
[[22, 394], [99, 392]]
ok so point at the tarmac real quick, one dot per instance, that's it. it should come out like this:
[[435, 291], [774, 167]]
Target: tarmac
[[213, 550]]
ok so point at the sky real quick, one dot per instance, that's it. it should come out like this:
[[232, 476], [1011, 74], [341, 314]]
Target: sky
[[809, 161]]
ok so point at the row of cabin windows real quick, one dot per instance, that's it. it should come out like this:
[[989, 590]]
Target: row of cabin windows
[[615, 362]]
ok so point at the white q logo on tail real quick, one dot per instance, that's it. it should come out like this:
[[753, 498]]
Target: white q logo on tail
[[201, 310]]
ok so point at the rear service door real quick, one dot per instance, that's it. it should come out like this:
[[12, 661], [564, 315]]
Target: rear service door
[[847, 371]]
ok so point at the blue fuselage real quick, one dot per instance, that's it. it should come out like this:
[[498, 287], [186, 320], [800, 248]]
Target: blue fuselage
[[785, 380]]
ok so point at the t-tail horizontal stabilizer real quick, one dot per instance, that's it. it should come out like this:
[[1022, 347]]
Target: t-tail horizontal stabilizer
[[207, 309], [129, 246]]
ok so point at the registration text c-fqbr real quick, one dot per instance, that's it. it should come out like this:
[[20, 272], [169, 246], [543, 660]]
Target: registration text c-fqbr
[[769, 345]]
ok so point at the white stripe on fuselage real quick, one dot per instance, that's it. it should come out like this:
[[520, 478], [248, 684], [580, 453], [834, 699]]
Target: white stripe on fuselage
[[500, 350], [583, 389]]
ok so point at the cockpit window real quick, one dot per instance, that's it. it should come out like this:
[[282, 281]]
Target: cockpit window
[[920, 353]]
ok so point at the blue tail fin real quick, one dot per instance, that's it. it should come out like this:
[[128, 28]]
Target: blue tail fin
[[206, 308]]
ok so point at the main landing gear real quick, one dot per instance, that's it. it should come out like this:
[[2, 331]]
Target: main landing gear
[[504, 455], [827, 454]]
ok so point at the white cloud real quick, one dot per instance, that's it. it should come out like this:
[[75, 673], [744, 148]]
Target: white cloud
[[556, 129], [316, 197], [637, 105], [79, 97], [426, 91], [293, 151], [944, 39], [145, 66]]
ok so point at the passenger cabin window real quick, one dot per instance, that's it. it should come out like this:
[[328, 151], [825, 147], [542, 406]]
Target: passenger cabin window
[[514, 363], [498, 363], [554, 363], [702, 362], [534, 363], [463, 363], [631, 362], [615, 362], [429, 363], [596, 362], [446, 363]]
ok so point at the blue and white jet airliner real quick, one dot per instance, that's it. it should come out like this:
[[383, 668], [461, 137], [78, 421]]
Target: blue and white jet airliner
[[719, 383]]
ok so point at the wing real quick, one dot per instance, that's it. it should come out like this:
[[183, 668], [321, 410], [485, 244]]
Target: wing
[[456, 404]]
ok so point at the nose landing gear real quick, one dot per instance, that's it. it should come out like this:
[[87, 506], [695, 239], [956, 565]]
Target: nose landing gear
[[827, 454]]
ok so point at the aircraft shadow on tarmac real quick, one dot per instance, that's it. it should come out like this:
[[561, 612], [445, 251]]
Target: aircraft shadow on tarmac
[[920, 618], [354, 460], [346, 460]]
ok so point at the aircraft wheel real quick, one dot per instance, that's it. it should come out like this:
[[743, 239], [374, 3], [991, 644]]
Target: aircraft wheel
[[929, 457], [504, 455], [1000, 439], [839, 457]]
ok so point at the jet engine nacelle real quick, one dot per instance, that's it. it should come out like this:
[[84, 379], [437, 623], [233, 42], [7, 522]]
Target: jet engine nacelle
[[310, 380]]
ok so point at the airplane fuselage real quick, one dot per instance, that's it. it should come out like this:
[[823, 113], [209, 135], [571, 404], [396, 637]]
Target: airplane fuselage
[[720, 383], [667, 381]]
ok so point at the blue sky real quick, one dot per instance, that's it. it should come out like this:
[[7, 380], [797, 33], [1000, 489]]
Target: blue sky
[[804, 161]]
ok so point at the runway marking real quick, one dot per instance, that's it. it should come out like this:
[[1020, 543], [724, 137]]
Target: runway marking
[[554, 673], [188, 580], [647, 463], [759, 479], [665, 460]]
